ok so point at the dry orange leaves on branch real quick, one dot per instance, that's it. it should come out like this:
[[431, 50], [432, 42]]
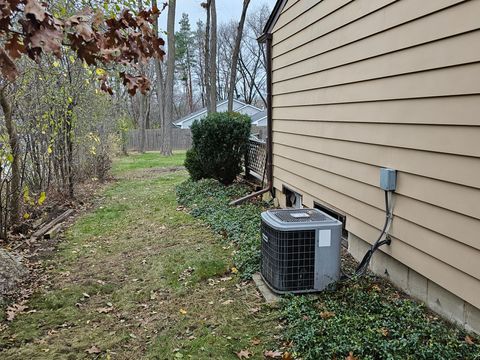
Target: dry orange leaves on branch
[[27, 28]]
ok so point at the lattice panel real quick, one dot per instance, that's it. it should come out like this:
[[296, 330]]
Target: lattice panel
[[256, 156]]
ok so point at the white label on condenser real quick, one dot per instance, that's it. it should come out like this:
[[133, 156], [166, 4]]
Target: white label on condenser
[[324, 238], [300, 215]]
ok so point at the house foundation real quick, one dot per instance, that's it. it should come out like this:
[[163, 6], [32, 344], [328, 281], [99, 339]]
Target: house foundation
[[441, 301]]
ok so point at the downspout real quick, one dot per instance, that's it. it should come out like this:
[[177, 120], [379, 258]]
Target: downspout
[[267, 38]]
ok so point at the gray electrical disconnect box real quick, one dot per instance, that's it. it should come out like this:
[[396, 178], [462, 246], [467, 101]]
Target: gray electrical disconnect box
[[300, 250], [388, 179]]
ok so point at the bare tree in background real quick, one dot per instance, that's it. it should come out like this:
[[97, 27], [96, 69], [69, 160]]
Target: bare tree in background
[[236, 52], [252, 60], [142, 120], [142, 103], [206, 5], [168, 118], [226, 42], [213, 57], [200, 64], [160, 86], [14, 145]]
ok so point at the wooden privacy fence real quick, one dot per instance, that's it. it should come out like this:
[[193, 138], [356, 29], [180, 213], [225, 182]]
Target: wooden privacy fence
[[256, 159], [181, 139]]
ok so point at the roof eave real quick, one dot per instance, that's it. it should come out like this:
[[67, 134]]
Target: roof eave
[[272, 20]]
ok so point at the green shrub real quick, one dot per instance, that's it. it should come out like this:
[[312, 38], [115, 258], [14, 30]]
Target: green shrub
[[219, 143]]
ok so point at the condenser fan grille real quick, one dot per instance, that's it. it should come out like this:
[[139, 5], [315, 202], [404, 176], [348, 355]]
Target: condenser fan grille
[[288, 258], [300, 216]]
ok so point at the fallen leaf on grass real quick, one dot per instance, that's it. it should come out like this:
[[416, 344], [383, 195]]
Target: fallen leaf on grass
[[384, 331], [469, 340], [234, 270], [287, 356], [85, 295], [226, 278], [327, 314], [183, 311], [227, 302], [93, 350], [104, 310], [14, 310], [269, 354], [351, 357], [255, 341], [243, 354]]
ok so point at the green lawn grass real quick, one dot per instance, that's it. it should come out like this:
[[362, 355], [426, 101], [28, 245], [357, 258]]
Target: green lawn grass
[[149, 160], [122, 283]]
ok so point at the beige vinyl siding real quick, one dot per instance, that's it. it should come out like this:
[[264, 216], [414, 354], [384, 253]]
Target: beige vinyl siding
[[457, 110], [365, 84], [400, 13], [433, 27], [292, 10], [458, 198], [433, 83], [460, 169], [333, 14], [443, 53]]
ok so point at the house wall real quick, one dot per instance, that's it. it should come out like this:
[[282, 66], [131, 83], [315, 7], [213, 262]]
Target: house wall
[[360, 85]]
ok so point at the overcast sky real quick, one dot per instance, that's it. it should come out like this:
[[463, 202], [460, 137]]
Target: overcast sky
[[226, 10]]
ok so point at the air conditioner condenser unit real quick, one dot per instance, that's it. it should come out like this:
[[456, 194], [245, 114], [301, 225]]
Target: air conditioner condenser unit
[[300, 250]]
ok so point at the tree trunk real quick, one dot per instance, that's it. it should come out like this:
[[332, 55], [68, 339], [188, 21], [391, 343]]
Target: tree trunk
[[160, 81], [142, 113], [207, 60], [141, 121], [190, 85], [15, 166], [160, 92], [168, 119], [236, 52], [213, 57], [69, 138]]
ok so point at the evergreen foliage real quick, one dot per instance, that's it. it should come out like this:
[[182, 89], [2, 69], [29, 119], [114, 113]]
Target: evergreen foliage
[[219, 143]]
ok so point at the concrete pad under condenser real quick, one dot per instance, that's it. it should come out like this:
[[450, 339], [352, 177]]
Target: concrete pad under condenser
[[269, 296]]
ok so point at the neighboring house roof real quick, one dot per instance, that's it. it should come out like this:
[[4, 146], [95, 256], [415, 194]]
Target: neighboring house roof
[[258, 117], [238, 106]]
